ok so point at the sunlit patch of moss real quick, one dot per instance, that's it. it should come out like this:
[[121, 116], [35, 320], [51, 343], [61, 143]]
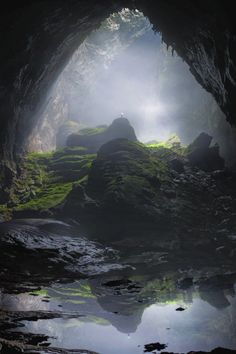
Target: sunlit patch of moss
[[47, 178], [72, 158], [70, 151], [164, 148], [47, 198], [39, 156], [93, 131]]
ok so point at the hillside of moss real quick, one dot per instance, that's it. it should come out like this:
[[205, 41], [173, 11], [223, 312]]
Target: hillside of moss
[[126, 180], [44, 181]]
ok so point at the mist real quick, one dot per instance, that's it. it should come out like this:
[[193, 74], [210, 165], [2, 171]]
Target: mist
[[124, 68]]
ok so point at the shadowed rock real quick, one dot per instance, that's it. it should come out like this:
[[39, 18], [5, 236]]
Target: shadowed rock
[[203, 156]]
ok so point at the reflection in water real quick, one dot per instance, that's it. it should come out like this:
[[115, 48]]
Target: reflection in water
[[121, 316]]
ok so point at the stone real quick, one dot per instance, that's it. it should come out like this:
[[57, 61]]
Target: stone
[[203, 156], [203, 141], [177, 165], [94, 138], [123, 183]]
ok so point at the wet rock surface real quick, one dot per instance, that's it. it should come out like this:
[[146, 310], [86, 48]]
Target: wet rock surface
[[165, 228], [38, 251]]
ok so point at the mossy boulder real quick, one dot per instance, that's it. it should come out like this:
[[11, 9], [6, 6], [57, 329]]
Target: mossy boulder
[[46, 180], [93, 138], [124, 182]]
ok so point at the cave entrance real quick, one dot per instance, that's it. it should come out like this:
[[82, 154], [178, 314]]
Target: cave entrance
[[123, 68]]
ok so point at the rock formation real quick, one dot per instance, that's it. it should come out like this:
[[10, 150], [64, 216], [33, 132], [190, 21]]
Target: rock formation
[[93, 138]]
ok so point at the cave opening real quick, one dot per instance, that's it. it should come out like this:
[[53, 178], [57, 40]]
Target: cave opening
[[124, 68], [118, 195]]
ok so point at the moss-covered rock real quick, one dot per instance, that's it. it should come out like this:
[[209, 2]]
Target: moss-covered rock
[[46, 179], [124, 181], [93, 138]]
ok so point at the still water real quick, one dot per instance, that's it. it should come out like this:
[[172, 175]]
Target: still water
[[111, 318]]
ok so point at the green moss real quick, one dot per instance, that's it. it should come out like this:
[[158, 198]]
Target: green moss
[[47, 178], [92, 131], [126, 176], [5, 212], [165, 148], [70, 151], [47, 198], [39, 156]]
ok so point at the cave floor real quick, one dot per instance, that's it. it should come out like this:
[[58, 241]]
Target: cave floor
[[64, 293]]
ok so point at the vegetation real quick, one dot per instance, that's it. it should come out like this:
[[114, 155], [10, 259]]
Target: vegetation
[[93, 131], [124, 173], [127, 176], [46, 179], [164, 148]]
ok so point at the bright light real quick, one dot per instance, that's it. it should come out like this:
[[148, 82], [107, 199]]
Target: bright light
[[153, 110]]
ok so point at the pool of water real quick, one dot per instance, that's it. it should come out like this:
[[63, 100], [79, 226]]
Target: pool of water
[[112, 318]]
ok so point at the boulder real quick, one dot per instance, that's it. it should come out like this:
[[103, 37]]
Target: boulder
[[94, 138], [203, 141], [201, 155], [125, 180]]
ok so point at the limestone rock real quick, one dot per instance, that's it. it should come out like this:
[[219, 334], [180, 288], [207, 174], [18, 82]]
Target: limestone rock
[[126, 179], [94, 138]]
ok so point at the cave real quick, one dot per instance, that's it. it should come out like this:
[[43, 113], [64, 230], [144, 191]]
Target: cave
[[118, 195]]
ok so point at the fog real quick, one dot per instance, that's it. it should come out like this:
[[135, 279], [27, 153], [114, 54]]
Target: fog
[[124, 68]]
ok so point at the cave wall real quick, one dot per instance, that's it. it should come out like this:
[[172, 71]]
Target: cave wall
[[38, 38], [203, 33]]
